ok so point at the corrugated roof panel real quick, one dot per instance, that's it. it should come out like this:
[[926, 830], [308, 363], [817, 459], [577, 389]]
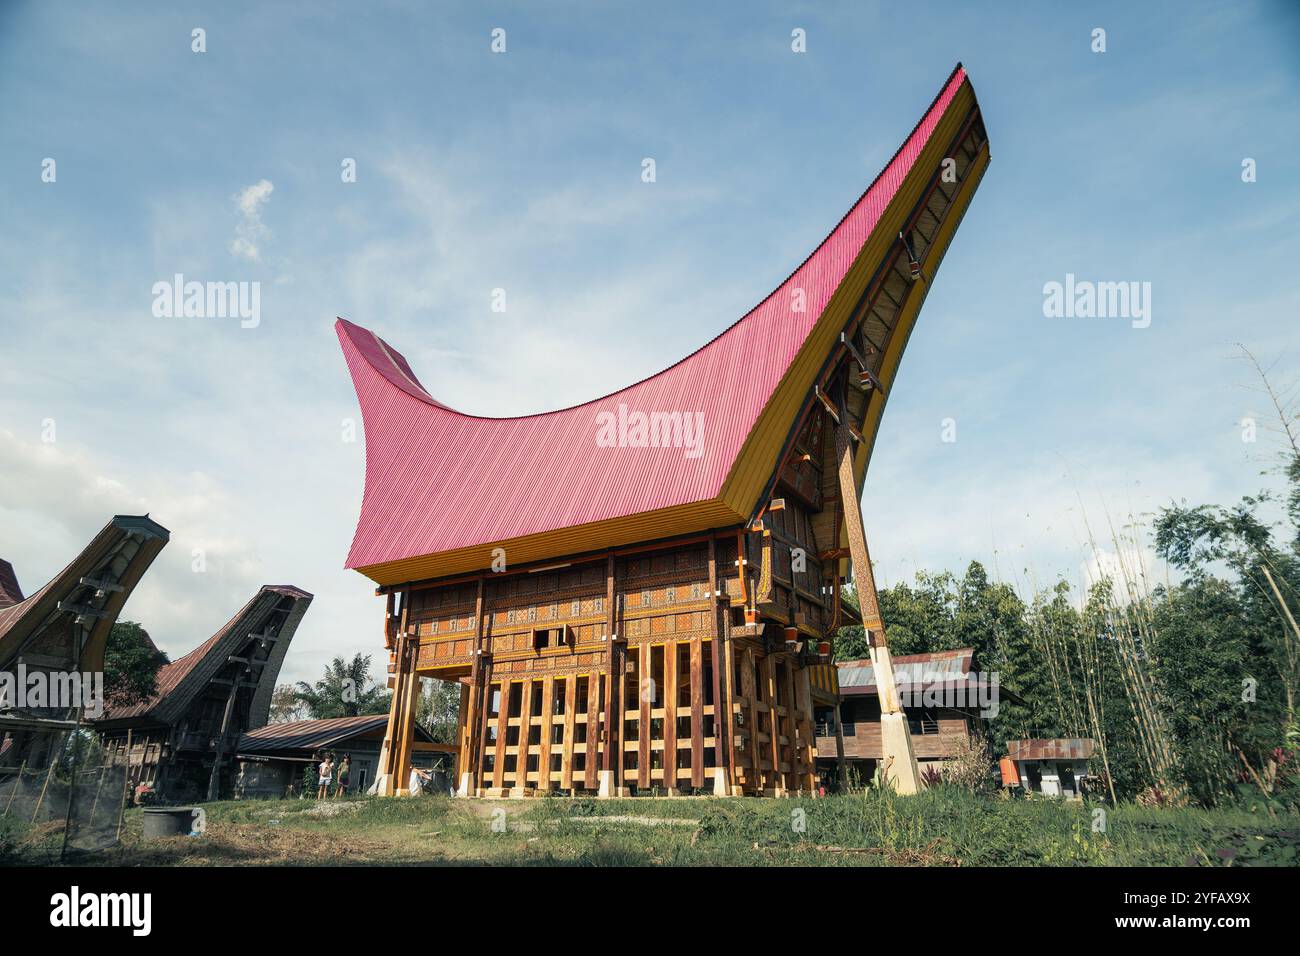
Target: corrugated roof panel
[[939, 667], [312, 734]]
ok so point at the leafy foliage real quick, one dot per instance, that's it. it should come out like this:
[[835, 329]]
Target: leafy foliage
[[131, 665], [345, 691]]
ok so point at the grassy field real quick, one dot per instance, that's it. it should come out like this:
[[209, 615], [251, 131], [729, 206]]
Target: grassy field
[[937, 828]]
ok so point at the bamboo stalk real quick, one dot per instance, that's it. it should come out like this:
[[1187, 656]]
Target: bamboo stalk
[[18, 782]]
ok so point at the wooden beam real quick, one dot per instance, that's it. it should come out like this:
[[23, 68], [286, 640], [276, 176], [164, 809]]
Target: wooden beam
[[773, 722], [570, 718], [899, 757], [722, 743], [669, 705], [595, 696], [646, 689], [503, 723], [544, 745], [611, 735], [525, 747], [697, 711]]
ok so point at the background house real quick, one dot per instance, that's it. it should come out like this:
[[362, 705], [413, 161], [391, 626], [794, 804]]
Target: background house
[[206, 700], [939, 733], [271, 759], [1055, 767]]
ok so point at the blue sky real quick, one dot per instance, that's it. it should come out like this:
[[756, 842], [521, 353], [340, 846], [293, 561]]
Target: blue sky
[[522, 171]]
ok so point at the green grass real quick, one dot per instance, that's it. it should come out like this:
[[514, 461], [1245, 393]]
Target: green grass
[[940, 827]]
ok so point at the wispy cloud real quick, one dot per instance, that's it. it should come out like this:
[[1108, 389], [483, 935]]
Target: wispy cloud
[[250, 231]]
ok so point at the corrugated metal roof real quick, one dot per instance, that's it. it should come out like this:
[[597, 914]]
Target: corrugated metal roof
[[314, 734], [910, 670], [1051, 748], [438, 480]]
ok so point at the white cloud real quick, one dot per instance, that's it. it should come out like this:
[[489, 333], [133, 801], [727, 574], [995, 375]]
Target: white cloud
[[250, 232], [57, 499]]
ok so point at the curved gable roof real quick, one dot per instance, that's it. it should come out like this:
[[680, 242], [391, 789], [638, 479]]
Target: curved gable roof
[[443, 488], [180, 680]]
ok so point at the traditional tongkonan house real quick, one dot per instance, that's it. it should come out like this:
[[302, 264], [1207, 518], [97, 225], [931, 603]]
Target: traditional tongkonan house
[[636, 593], [182, 741], [60, 633]]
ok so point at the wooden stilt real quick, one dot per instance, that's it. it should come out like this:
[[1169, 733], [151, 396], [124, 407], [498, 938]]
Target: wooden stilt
[[647, 693], [595, 696], [570, 722], [503, 725], [611, 700], [697, 713], [841, 769], [668, 702], [547, 730], [898, 757]]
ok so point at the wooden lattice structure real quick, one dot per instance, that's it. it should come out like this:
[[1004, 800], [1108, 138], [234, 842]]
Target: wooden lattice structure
[[651, 615]]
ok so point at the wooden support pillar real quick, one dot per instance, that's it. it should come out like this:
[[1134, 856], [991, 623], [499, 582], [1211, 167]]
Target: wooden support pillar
[[463, 727], [646, 690], [219, 758], [668, 695], [524, 749], [749, 690], [807, 729], [475, 694], [410, 700], [481, 729], [697, 712], [404, 647], [724, 760], [544, 745], [898, 758], [841, 769], [611, 733], [570, 724], [503, 728], [776, 783], [595, 696]]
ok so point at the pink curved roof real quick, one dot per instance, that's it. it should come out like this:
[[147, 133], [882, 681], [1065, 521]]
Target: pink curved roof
[[438, 480]]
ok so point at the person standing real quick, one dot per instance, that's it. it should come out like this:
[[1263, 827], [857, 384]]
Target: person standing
[[345, 769], [325, 777]]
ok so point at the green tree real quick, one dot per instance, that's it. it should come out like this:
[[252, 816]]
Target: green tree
[[131, 664], [439, 709], [345, 691]]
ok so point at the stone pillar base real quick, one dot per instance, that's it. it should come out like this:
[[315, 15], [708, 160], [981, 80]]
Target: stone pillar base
[[606, 784], [466, 782], [899, 760], [719, 782]]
